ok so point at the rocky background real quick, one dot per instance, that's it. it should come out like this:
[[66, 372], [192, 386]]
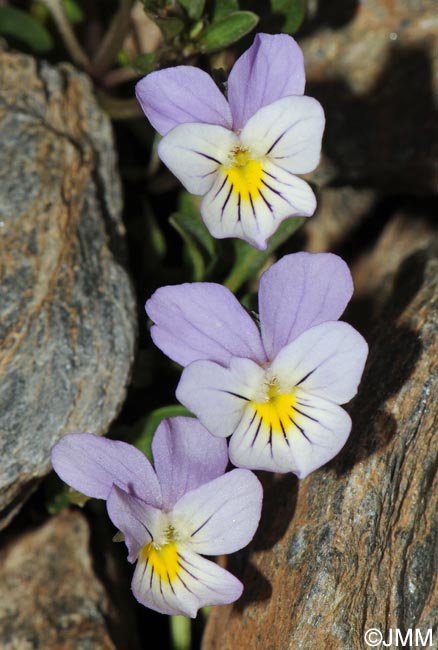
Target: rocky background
[[352, 547]]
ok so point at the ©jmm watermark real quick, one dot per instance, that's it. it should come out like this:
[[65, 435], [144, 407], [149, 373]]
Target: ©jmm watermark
[[395, 638]]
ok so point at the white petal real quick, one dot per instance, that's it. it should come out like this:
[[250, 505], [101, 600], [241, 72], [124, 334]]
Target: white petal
[[232, 211], [289, 132], [315, 431], [194, 153], [289, 195], [195, 583], [218, 395], [327, 360], [222, 515]]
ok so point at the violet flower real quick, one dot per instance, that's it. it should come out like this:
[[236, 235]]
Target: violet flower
[[241, 155], [275, 392], [171, 516]]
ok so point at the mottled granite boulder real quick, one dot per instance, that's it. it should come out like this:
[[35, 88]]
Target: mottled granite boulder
[[354, 546], [67, 311], [340, 211], [58, 602]]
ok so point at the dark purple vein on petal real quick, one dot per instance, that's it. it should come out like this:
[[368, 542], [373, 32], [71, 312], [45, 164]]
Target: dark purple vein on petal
[[266, 201], [221, 188], [299, 429], [257, 432], [227, 199], [252, 206], [201, 526], [204, 155]]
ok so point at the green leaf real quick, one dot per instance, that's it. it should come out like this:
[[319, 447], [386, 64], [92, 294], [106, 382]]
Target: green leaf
[[192, 250], [170, 27], [73, 11], [20, 25], [147, 426], [156, 243], [200, 245], [145, 62], [191, 216], [224, 7], [294, 12], [194, 8], [249, 260], [58, 495], [227, 30]]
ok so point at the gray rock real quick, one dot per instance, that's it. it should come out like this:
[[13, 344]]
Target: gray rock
[[354, 545], [339, 212], [376, 76], [67, 311], [69, 607]]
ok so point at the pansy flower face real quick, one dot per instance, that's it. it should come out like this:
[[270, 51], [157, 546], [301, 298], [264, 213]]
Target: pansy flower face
[[242, 155], [276, 392], [170, 516]]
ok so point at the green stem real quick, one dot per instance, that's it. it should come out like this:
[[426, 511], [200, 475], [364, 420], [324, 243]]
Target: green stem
[[180, 632], [76, 52], [114, 37]]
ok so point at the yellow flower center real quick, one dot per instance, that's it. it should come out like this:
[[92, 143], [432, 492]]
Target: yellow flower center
[[244, 174], [163, 560], [278, 409]]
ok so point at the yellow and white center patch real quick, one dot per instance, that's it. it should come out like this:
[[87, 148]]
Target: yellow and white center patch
[[277, 412], [163, 560], [244, 175]]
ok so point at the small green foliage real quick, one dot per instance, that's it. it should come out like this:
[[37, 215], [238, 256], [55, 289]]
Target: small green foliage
[[294, 12], [123, 58], [156, 245], [118, 537], [145, 63], [58, 495], [194, 8], [147, 427], [25, 28], [200, 245], [227, 30], [223, 8], [170, 27], [73, 11], [249, 260], [191, 248]]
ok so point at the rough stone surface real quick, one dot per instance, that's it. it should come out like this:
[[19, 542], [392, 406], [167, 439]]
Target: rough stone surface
[[340, 211], [58, 601], [374, 66], [354, 546], [67, 312]]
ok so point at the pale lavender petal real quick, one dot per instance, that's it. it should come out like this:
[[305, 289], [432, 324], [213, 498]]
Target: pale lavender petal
[[186, 456], [179, 95], [315, 433], [217, 395], [299, 291], [202, 320], [221, 516], [198, 583], [326, 361], [134, 518], [271, 68], [92, 465]]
